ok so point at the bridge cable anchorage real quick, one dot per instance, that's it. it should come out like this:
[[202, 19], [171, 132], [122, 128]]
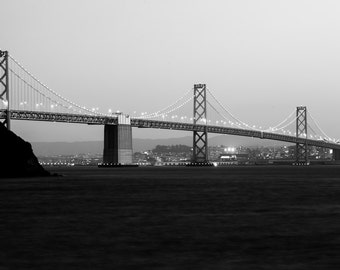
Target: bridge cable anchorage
[[161, 112], [84, 109]]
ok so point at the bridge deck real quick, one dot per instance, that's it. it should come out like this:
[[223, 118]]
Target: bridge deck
[[143, 123]]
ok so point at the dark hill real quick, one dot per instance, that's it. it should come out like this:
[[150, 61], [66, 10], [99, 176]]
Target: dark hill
[[17, 158]]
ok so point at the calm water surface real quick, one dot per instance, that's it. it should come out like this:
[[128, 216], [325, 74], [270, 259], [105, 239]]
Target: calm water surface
[[173, 218]]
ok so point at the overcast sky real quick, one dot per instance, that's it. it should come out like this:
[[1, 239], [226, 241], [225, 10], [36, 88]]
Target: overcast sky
[[261, 58]]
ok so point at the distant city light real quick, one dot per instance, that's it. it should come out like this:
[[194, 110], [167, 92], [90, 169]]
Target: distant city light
[[230, 149]]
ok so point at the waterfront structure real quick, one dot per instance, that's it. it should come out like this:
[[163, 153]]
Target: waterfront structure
[[30, 99]]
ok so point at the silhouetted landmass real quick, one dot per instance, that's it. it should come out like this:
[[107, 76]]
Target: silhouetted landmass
[[17, 158]]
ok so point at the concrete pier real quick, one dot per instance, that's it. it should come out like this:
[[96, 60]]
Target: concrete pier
[[118, 142], [336, 155]]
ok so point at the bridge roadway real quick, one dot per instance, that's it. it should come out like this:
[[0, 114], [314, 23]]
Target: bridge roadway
[[145, 123]]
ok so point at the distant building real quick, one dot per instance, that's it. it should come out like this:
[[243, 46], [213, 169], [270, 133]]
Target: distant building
[[234, 157]]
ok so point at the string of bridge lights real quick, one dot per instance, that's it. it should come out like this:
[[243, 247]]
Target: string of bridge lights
[[276, 128], [41, 104], [280, 127], [272, 129], [83, 108], [163, 113], [317, 125], [239, 122], [170, 111]]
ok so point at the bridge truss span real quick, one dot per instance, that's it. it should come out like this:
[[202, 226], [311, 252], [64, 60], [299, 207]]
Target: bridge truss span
[[61, 117], [24, 97], [146, 123], [142, 123]]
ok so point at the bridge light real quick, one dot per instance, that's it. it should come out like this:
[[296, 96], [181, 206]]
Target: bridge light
[[5, 102]]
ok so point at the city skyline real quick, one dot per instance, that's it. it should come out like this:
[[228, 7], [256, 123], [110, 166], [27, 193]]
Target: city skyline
[[262, 59]]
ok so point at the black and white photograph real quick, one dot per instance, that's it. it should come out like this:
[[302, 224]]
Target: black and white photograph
[[170, 134]]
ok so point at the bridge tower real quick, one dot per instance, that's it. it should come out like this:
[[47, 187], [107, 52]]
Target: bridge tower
[[4, 86], [200, 138], [301, 150], [118, 142]]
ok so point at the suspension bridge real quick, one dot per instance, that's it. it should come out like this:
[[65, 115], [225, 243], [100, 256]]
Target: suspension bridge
[[24, 97]]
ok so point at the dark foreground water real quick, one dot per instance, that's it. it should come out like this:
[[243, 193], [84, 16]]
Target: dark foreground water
[[173, 218]]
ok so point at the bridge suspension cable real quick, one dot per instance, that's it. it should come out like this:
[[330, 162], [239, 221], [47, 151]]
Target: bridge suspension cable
[[228, 112], [30, 94], [277, 127], [224, 117], [31, 82], [318, 126], [313, 131], [170, 108], [286, 125]]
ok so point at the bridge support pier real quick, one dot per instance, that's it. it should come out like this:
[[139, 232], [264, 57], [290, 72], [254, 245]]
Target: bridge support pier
[[336, 155], [118, 142]]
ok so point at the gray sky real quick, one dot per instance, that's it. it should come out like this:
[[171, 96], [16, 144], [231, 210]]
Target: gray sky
[[261, 58]]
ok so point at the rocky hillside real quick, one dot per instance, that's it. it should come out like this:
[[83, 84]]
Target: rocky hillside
[[16, 157]]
